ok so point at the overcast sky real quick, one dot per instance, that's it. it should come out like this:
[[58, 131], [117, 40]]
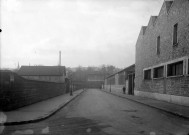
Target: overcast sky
[[87, 32]]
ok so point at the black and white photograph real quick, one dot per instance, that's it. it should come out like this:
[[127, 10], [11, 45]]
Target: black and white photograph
[[94, 67]]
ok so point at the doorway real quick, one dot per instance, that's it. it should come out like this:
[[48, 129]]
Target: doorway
[[131, 83]]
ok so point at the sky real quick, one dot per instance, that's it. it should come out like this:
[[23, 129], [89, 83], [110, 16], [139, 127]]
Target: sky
[[87, 32]]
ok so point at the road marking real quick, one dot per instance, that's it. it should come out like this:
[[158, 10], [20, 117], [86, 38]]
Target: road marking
[[45, 130]]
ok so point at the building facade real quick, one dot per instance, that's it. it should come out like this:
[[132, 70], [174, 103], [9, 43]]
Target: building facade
[[123, 78], [162, 55], [95, 77], [95, 80], [43, 73]]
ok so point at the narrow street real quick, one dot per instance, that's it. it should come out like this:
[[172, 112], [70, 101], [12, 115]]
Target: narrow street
[[98, 113]]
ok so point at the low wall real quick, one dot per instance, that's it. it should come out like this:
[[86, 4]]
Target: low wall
[[114, 88], [16, 91], [181, 100]]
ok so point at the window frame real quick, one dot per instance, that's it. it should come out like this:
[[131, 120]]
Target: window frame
[[175, 37], [144, 70], [158, 43], [187, 66], [177, 61], [163, 66], [185, 60]]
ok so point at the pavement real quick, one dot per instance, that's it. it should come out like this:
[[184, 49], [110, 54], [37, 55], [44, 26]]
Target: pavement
[[96, 112], [179, 110], [37, 111]]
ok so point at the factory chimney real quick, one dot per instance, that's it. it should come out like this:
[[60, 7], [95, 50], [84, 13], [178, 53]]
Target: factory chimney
[[59, 58]]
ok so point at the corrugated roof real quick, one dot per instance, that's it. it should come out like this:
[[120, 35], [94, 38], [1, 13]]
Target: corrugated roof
[[41, 70]]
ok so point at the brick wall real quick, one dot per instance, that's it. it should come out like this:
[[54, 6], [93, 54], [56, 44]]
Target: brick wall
[[21, 91], [146, 55]]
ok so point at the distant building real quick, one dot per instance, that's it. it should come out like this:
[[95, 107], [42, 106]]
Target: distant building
[[123, 78], [95, 77], [95, 80], [43, 73], [162, 55]]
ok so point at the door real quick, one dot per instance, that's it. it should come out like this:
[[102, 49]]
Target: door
[[131, 78]]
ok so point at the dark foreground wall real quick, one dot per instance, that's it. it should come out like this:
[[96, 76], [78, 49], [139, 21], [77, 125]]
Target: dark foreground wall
[[16, 91]]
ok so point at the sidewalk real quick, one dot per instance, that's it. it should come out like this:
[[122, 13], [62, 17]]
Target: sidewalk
[[37, 111], [182, 111]]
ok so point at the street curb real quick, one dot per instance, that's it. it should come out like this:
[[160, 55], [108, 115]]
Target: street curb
[[42, 117], [173, 113]]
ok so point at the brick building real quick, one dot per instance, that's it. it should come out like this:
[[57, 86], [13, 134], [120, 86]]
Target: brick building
[[43, 73], [117, 81], [162, 55]]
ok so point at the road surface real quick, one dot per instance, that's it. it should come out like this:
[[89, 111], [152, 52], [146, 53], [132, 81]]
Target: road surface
[[99, 113]]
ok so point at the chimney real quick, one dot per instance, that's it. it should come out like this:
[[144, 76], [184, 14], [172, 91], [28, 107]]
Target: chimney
[[59, 58]]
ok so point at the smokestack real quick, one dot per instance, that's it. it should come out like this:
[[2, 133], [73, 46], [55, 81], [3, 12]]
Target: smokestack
[[59, 58]]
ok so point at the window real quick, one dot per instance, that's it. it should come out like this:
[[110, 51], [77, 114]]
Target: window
[[175, 32], [147, 74], [158, 72], [175, 69], [158, 45]]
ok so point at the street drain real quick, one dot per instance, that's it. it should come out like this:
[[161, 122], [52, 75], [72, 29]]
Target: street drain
[[129, 110]]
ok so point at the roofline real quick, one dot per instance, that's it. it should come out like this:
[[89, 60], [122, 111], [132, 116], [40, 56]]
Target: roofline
[[59, 68], [120, 71], [40, 66], [126, 68], [145, 28], [40, 75]]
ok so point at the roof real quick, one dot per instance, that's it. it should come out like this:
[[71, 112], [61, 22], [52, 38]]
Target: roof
[[167, 4], [41, 70], [127, 69]]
